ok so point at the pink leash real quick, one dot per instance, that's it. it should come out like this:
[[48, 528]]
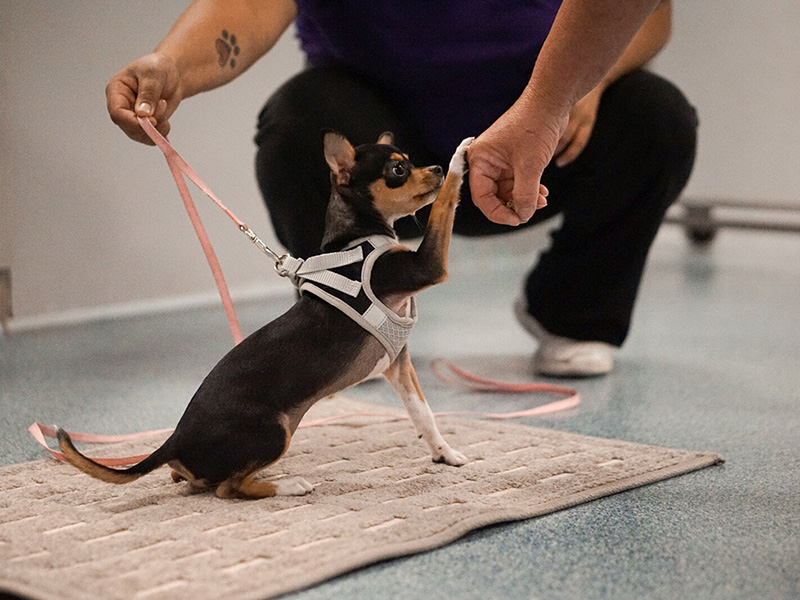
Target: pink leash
[[179, 167], [477, 383], [40, 432]]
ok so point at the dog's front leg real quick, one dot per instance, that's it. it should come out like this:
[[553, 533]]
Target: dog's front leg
[[433, 250], [403, 378]]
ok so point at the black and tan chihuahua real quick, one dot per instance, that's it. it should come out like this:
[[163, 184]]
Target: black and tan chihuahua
[[245, 412]]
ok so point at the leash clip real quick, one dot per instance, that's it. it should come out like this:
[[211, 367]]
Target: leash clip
[[278, 258]]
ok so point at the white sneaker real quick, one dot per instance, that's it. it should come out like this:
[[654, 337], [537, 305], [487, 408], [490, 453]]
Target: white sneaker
[[561, 356]]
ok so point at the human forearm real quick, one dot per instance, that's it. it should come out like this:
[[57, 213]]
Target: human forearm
[[210, 44], [646, 44], [214, 41], [586, 41]]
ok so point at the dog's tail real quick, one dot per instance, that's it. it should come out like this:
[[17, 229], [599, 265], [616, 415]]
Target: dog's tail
[[161, 456]]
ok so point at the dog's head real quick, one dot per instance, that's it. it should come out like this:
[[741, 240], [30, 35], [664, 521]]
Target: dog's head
[[379, 177]]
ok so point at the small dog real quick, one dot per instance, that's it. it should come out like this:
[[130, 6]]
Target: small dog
[[243, 416]]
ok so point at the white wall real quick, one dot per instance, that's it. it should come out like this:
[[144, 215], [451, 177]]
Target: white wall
[[96, 224], [99, 222], [739, 62], [7, 217]]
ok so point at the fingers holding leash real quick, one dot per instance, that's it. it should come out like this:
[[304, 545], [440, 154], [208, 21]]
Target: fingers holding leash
[[150, 88]]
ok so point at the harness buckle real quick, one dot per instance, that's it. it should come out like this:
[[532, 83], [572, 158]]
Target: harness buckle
[[279, 268]]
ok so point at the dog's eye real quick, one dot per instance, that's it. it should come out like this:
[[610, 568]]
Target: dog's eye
[[398, 170]]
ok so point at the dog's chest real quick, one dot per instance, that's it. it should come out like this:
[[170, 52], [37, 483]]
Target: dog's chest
[[380, 366]]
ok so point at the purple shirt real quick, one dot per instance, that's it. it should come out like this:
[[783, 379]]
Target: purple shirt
[[452, 66]]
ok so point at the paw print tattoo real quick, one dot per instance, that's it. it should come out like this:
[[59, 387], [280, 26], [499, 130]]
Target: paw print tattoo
[[227, 49]]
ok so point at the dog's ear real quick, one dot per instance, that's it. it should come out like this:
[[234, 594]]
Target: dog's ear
[[340, 156], [387, 137]]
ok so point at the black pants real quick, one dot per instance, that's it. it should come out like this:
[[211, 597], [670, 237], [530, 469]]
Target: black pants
[[613, 196]]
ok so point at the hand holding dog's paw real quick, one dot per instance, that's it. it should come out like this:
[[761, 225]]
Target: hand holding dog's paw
[[458, 164], [293, 486], [451, 457]]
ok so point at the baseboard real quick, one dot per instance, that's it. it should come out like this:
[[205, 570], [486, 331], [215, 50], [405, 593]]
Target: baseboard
[[142, 308]]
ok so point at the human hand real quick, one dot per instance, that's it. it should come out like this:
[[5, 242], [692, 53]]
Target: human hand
[[507, 160], [582, 118], [149, 87]]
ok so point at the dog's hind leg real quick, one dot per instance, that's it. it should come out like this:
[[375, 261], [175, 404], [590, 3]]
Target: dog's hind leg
[[403, 378], [244, 485], [248, 487], [180, 473]]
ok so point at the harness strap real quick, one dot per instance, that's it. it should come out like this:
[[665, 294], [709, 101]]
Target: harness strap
[[317, 268], [389, 327]]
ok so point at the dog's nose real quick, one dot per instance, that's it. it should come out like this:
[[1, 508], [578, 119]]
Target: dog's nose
[[436, 170]]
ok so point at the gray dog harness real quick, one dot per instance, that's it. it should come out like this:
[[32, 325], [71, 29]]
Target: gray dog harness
[[343, 280]]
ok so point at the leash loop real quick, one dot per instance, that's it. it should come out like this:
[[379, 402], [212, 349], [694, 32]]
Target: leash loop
[[469, 380]]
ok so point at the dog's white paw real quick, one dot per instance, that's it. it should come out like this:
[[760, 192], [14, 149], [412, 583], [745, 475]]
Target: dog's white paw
[[293, 486], [451, 457], [458, 164]]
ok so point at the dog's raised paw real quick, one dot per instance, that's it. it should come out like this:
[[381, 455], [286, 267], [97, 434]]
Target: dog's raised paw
[[451, 457], [458, 164], [293, 486]]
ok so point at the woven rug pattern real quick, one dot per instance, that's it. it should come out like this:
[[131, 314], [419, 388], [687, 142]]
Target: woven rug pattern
[[377, 495]]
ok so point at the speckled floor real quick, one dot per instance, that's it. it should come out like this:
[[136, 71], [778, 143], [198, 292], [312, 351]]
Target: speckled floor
[[712, 363]]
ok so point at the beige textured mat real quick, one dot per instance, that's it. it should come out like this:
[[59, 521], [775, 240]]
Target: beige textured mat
[[64, 535]]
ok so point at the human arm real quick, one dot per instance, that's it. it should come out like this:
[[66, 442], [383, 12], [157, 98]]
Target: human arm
[[507, 160], [190, 59], [647, 42]]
